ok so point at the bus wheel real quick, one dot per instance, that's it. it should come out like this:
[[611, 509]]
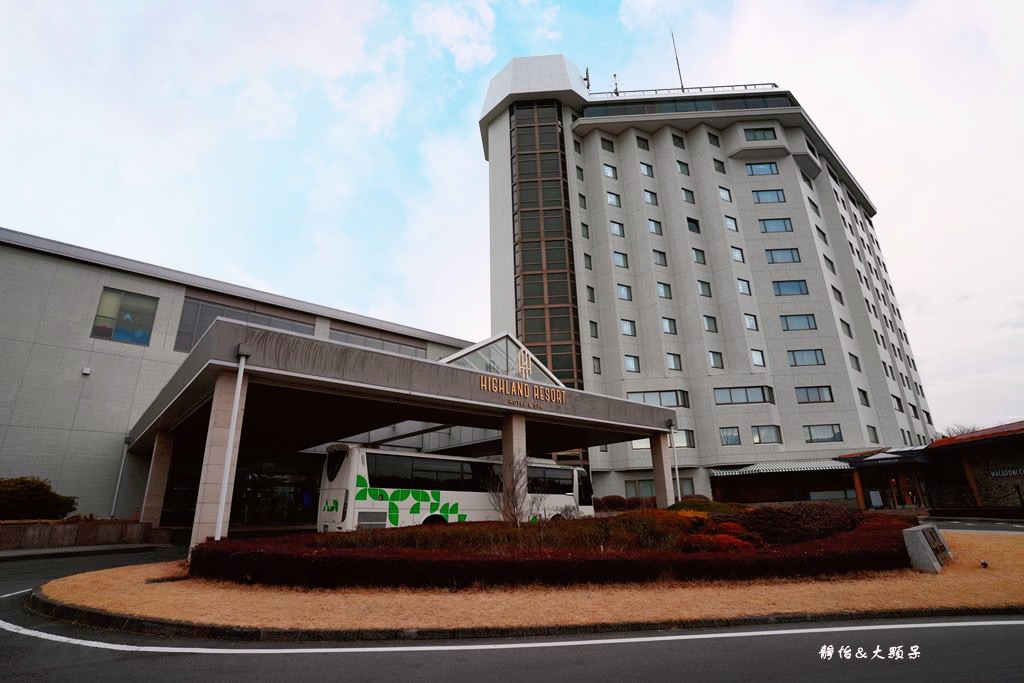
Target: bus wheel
[[556, 516], [434, 519]]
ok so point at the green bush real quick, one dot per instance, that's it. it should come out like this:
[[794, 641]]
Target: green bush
[[704, 504], [32, 498]]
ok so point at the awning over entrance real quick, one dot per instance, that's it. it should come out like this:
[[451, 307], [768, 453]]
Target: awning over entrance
[[285, 393], [778, 466]]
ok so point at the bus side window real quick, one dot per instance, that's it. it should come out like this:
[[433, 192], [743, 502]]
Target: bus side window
[[334, 462]]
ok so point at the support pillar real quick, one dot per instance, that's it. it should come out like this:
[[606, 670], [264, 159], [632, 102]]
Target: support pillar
[[156, 480], [661, 465], [971, 481], [513, 456], [858, 488], [207, 503]]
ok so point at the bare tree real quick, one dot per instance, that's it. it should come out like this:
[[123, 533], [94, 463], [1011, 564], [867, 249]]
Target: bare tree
[[957, 428], [510, 496]]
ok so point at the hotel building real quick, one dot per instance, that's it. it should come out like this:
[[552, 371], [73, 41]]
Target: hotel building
[[705, 250]]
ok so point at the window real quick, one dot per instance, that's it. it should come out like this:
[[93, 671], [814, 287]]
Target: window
[[897, 403], [730, 436], [588, 262], [765, 168], [757, 357], [668, 325], [666, 399], [766, 434], [730, 223], [814, 207], [782, 255], [607, 145], [837, 295], [664, 290], [737, 254], [693, 225], [591, 294], [624, 292], [863, 396], [821, 433], [653, 226], [715, 359], [579, 173], [678, 141], [583, 202], [769, 196], [593, 329], [802, 321], [660, 258], [127, 317], [642, 143], [719, 165], [646, 169], [597, 365], [755, 134], [855, 362], [806, 357], [873, 434], [197, 315], [775, 225], [688, 196], [821, 394], [829, 264], [585, 230], [610, 171], [821, 234], [614, 199], [710, 323], [631, 363], [703, 288], [628, 327], [789, 287], [742, 286], [713, 139], [577, 147], [683, 167], [735, 395], [620, 259], [616, 228], [913, 410], [651, 197], [698, 256], [674, 361], [750, 321], [724, 193]]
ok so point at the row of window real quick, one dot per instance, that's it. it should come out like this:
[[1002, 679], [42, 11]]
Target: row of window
[[765, 434]]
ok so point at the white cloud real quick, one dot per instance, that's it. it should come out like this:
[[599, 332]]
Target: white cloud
[[465, 29]]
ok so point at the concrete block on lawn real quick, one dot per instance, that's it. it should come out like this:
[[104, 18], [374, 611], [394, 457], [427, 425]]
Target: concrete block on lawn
[[927, 548]]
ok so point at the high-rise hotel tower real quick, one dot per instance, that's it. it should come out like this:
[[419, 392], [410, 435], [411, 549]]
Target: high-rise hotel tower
[[704, 249]]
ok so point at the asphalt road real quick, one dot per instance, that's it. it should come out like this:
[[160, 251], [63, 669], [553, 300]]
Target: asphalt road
[[975, 649]]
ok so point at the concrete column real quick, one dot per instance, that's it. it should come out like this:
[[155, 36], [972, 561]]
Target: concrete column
[[156, 481], [858, 488], [661, 464], [971, 481], [513, 453], [322, 328], [702, 482], [205, 522]]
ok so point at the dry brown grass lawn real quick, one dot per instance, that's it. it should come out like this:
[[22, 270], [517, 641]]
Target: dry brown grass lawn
[[963, 584]]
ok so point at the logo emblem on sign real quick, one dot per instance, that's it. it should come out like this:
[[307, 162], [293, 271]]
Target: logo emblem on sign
[[524, 364]]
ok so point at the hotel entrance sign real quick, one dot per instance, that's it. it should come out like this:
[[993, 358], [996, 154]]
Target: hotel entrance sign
[[523, 394]]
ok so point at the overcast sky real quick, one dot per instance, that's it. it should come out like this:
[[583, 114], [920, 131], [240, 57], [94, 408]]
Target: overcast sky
[[329, 151]]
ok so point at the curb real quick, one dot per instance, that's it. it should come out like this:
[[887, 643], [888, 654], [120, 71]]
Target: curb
[[36, 554], [40, 604]]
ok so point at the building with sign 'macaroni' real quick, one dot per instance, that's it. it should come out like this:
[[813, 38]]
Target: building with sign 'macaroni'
[[705, 250]]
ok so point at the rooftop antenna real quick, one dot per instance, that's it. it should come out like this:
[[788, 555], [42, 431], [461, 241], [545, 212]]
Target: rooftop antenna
[[586, 78], [678, 70], [615, 81]]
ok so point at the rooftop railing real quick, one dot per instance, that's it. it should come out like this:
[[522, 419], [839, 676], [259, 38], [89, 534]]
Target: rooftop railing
[[686, 91]]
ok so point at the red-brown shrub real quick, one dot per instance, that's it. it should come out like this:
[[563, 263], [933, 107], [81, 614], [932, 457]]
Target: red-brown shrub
[[615, 502], [795, 523]]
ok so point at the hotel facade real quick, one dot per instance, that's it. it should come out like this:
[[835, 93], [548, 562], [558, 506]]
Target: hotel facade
[[704, 250]]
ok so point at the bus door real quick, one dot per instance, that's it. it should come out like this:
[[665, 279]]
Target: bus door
[[334, 495]]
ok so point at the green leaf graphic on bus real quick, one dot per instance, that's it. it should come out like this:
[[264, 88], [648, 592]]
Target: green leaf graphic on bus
[[448, 510]]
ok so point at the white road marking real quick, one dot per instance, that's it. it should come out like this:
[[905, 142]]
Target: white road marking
[[13, 628], [15, 593]]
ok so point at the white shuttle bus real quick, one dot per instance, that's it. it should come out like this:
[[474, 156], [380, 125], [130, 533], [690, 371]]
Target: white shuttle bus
[[372, 489]]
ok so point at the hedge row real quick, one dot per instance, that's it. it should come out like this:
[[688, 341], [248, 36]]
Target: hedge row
[[876, 544], [32, 498], [794, 523]]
